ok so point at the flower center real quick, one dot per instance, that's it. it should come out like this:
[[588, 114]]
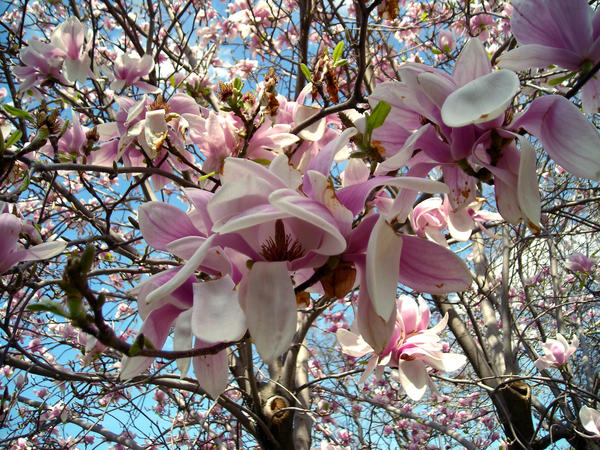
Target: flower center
[[281, 247]]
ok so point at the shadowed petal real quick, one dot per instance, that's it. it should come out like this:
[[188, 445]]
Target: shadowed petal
[[270, 306], [217, 316]]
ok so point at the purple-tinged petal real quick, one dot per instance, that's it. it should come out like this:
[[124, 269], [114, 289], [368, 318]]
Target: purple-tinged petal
[[383, 264], [590, 95], [554, 23], [473, 62], [427, 267], [270, 306], [217, 316], [212, 371], [372, 364], [436, 87], [156, 328], [535, 55], [481, 100], [43, 251], [315, 214], [314, 132], [161, 223], [566, 135], [322, 162]]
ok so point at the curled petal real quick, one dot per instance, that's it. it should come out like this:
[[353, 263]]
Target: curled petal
[[481, 100]]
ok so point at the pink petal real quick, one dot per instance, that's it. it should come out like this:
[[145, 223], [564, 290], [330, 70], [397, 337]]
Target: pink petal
[[352, 344], [182, 339], [567, 136], [212, 372], [535, 55], [161, 223], [156, 329], [427, 267], [528, 187], [473, 62]]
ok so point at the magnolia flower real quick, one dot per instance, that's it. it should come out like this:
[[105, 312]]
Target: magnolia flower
[[128, 69], [461, 119], [202, 313], [411, 349], [556, 352], [566, 34], [12, 252], [69, 38], [578, 262], [590, 420]]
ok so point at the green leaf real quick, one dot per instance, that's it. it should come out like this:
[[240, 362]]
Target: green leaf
[[340, 62], [18, 112], [237, 84], [306, 71], [25, 182], [378, 115], [559, 80], [50, 307], [338, 50], [13, 138]]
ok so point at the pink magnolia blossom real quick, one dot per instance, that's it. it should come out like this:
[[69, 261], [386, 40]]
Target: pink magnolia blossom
[[69, 37], [129, 69], [412, 347], [550, 32], [202, 314], [142, 130], [578, 262], [590, 420], [42, 62], [459, 122], [12, 252], [556, 352]]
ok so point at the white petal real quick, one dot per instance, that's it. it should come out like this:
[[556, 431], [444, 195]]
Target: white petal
[[413, 377], [352, 344], [481, 100], [590, 418]]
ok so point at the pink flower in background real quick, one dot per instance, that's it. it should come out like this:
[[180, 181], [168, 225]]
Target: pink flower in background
[[578, 262], [12, 252], [129, 69], [42, 62], [590, 420], [446, 41], [411, 349], [557, 352]]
